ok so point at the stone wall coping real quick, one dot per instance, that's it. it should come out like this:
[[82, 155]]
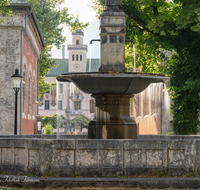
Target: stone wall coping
[[83, 136]]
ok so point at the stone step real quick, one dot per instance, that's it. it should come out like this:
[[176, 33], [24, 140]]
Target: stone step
[[104, 182]]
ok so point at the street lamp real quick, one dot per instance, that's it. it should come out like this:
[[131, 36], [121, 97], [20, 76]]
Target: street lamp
[[16, 79]]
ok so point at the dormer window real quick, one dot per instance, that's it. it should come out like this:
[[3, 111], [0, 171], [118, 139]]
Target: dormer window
[[77, 42]]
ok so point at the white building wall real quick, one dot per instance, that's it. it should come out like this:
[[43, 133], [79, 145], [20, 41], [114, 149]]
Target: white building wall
[[85, 103]]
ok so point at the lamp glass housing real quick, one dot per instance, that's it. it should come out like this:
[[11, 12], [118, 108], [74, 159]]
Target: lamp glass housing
[[16, 79], [39, 125], [16, 82]]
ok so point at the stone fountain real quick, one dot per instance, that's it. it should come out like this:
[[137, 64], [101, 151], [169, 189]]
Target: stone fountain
[[112, 87]]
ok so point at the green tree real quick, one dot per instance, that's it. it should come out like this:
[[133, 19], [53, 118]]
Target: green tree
[[172, 25], [81, 121], [48, 129], [4, 10], [54, 120], [51, 21]]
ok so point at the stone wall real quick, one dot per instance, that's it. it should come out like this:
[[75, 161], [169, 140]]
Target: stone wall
[[10, 51], [70, 157], [10, 57]]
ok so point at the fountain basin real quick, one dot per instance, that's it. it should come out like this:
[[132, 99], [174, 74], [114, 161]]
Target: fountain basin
[[112, 92], [112, 83]]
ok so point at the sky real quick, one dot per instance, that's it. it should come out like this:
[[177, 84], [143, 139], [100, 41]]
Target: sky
[[82, 9]]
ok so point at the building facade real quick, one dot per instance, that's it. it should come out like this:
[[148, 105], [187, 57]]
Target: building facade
[[56, 98], [21, 42], [151, 110]]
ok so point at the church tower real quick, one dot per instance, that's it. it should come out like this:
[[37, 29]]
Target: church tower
[[77, 53]]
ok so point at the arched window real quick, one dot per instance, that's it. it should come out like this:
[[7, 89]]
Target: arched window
[[29, 93], [77, 42], [80, 57], [72, 57], [34, 98], [28, 48], [24, 90], [47, 105], [76, 57]]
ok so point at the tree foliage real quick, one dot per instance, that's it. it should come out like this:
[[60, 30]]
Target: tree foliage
[[80, 121], [54, 120], [48, 129], [4, 10], [170, 25], [51, 20]]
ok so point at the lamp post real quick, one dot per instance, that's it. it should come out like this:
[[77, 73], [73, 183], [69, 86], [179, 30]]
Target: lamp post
[[16, 79]]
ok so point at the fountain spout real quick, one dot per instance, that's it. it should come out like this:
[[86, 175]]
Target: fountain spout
[[133, 42], [95, 40]]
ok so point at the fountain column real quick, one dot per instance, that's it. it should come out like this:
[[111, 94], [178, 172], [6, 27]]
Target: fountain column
[[112, 35], [112, 120]]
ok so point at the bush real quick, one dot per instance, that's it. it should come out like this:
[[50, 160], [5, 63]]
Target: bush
[[48, 129], [54, 120], [81, 121]]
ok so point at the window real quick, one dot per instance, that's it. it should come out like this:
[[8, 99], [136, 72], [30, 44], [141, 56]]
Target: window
[[28, 48], [77, 42], [47, 105], [76, 57], [24, 91], [77, 105], [60, 90], [34, 93], [29, 94], [48, 90], [76, 90], [59, 104], [80, 57], [72, 57]]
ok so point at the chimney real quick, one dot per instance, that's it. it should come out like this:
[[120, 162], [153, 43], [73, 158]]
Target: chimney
[[63, 51]]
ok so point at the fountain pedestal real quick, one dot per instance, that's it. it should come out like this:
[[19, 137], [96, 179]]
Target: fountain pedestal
[[112, 120]]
